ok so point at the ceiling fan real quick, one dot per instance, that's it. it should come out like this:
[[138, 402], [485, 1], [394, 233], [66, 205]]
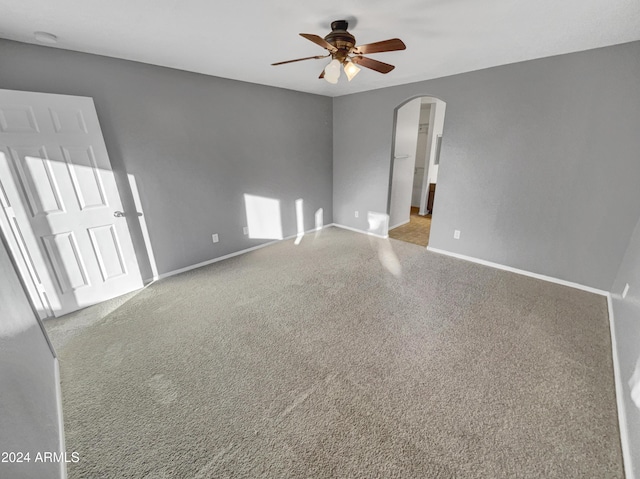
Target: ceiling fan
[[344, 52]]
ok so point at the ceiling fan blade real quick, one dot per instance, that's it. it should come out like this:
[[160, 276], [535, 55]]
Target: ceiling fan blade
[[378, 47], [373, 64], [319, 41], [321, 75], [317, 57]]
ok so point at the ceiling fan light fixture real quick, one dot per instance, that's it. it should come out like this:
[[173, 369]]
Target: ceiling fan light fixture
[[341, 45], [333, 68], [351, 70], [332, 80], [332, 71]]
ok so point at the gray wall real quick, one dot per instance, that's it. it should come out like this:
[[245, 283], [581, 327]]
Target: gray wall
[[539, 162], [195, 144], [28, 408], [626, 314]]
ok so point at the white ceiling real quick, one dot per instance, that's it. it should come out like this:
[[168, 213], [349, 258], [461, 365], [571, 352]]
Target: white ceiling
[[239, 39]]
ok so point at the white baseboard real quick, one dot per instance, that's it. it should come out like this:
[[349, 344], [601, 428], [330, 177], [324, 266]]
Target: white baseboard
[[56, 374], [399, 224], [148, 281], [358, 231], [227, 256], [622, 415], [543, 277]]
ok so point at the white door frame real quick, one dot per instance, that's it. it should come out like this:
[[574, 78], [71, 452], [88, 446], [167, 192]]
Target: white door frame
[[436, 123], [403, 162]]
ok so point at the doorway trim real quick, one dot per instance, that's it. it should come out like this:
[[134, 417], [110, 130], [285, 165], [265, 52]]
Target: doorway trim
[[393, 146], [425, 186]]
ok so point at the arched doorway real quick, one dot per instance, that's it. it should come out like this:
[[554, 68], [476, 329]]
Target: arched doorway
[[418, 128]]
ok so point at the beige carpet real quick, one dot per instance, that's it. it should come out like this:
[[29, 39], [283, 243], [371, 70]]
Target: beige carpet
[[313, 361]]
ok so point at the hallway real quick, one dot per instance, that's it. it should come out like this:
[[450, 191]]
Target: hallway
[[416, 231]]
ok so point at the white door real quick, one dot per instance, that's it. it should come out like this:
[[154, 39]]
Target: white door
[[59, 197], [404, 160]]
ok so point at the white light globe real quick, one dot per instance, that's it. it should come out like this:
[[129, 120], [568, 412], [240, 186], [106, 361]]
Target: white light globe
[[334, 65], [331, 79]]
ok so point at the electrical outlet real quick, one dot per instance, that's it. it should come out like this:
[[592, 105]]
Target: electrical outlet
[[356, 214], [215, 238], [625, 291], [456, 234], [245, 230]]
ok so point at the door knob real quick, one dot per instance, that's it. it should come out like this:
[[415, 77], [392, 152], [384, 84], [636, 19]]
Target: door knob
[[122, 214]]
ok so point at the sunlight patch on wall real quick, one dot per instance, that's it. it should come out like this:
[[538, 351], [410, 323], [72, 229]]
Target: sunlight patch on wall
[[299, 220], [378, 223], [263, 217], [143, 226], [319, 219], [634, 385]]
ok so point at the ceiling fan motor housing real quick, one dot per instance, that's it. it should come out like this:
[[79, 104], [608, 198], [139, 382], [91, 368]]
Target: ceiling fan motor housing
[[341, 39], [341, 45]]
